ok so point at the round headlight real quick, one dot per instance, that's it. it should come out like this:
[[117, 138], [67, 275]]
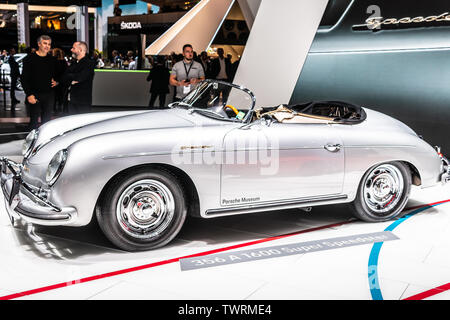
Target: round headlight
[[29, 143], [56, 166]]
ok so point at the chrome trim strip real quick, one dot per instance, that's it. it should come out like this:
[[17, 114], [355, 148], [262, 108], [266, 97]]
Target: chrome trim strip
[[43, 144], [30, 189], [337, 51], [38, 198], [14, 167], [273, 205], [381, 146], [131, 155], [147, 154], [46, 219], [33, 143], [24, 207]]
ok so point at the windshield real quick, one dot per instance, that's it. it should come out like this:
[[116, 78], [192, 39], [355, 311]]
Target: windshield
[[220, 100]]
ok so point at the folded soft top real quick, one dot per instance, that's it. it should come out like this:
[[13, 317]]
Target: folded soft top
[[316, 112]]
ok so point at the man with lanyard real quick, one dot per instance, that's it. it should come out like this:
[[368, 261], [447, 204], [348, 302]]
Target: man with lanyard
[[186, 73]]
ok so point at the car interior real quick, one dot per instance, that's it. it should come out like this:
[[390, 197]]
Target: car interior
[[313, 112]]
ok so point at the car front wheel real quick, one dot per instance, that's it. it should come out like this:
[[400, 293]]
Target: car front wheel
[[383, 192], [142, 210]]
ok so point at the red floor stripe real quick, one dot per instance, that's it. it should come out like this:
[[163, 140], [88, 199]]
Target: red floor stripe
[[435, 291], [426, 205], [164, 262], [429, 293]]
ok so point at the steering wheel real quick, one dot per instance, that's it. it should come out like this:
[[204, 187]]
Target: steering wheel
[[236, 111]]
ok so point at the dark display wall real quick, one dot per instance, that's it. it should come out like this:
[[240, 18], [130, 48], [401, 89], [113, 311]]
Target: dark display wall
[[400, 68]]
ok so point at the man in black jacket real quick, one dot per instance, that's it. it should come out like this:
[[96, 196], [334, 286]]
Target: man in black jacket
[[159, 76], [38, 82], [221, 67], [79, 77]]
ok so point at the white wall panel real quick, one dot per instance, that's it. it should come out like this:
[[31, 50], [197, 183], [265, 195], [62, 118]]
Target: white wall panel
[[277, 47], [249, 9], [197, 27]]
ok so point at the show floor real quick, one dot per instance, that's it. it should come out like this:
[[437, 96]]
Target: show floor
[[79, 263]]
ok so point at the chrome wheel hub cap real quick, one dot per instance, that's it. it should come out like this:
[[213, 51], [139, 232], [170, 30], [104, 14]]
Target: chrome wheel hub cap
[[383, 189], [145, 209]]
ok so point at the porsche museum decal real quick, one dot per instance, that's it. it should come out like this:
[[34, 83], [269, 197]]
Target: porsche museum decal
[[240, 200], [377, 23]]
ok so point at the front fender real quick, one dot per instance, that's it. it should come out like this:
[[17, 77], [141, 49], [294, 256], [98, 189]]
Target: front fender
[[92, 162]]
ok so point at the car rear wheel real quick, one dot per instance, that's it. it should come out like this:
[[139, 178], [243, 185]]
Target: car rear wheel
[[383, 192], [142, 210]]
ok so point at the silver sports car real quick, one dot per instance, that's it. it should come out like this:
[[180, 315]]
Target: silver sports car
[[142, 173]]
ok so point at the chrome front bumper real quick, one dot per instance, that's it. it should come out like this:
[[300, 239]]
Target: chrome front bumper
[[24, 202]]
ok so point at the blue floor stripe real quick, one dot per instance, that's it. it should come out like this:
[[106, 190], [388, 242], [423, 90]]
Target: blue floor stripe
[[374, 283]]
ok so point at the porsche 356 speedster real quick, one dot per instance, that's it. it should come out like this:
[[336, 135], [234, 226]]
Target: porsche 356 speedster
[[213, 154]]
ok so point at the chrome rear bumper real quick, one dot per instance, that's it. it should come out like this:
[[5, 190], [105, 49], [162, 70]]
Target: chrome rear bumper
[[23, 202], [445, 174], [445, 177]]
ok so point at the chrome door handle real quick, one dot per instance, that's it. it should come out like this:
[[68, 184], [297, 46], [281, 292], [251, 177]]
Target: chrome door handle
[[333, 147]]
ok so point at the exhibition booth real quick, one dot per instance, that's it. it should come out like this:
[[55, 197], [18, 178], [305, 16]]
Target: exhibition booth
[[321, 172]]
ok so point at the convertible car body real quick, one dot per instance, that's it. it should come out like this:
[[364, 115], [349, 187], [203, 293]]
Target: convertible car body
[[141, 173]]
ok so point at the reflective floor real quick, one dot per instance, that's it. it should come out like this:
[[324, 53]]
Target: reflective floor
[[80, 263]]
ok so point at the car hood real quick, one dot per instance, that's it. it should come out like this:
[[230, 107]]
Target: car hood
[[61, 133]]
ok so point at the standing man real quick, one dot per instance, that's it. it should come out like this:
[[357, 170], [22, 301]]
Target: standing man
[[115, 59], [15, 74], [117, 11], [38, 82], [79, 77], [206, 64], [3, 56], [186, 73], [221, 67], [159, 76]]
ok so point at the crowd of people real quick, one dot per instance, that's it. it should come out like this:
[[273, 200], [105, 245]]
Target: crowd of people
[[55, 84], [14, 71], [185, 70]]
